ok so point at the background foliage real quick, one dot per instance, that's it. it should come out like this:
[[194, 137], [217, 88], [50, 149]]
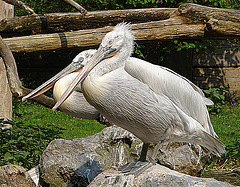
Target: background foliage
[[34, 127], [44, 6]]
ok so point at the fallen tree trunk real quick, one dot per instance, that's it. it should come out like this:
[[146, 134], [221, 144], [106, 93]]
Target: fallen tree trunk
[[171, 29], [63, 22], [190, 21], [162, 30]]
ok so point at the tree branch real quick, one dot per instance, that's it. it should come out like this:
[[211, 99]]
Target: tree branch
[[64, 22], [22, 5], [17, 89], [77, 6]]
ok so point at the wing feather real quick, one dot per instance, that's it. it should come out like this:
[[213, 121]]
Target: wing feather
[[181, 91]]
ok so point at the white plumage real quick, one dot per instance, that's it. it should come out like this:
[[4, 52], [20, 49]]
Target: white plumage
[[75, 105], [152, 102]]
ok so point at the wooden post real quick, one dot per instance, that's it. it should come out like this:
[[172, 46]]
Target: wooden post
[[6, 10]]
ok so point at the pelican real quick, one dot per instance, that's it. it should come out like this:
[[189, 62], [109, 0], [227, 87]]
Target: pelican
[[154, 103], [75, 105]]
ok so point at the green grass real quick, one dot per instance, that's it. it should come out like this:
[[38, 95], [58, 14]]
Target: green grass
[[33, 113], [227, 124], [36, 126]]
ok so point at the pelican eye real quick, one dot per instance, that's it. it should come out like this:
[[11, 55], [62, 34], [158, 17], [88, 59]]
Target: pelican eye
[[110, 42], [80, 59], [78, 62]]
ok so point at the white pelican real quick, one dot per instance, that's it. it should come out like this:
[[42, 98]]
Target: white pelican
[[75, 105], [152, 102]]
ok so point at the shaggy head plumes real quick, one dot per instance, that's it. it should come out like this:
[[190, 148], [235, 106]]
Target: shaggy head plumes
[[121, 38]]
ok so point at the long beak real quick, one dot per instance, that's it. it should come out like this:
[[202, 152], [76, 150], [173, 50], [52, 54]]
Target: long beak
[[49, 84], [101, 53]]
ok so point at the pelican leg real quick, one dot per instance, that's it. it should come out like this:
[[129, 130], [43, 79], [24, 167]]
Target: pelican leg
[[143, 155], [153, 158], [136, 168]]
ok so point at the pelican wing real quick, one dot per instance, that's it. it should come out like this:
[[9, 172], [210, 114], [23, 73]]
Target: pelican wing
[[207, 101], [182, 92]]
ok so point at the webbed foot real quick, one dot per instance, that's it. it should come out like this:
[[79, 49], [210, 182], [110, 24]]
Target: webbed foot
[[135, 168]]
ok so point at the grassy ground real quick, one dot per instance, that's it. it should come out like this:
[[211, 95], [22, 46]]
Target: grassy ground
[[33, 113], [227, 124], [33, 122], [34, 127]]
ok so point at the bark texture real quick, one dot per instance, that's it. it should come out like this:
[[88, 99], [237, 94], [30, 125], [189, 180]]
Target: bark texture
[[63, 22], [22, 5], [189, 21], [17, 89], [6, 11]]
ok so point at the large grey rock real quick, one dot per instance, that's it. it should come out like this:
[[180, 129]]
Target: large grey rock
[[15, 176], [155, 176], [77, 162]]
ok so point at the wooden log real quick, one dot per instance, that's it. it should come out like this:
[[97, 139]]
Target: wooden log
[[217, 21], [176, 27], [17, 89], [6, 10], [173, 28], [63, 22], [5, 92], [77, 6], [204, 13]]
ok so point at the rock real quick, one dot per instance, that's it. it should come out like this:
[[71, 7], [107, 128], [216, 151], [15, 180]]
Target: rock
[[67, 162], [15, 176], [154, 176], [181, 157], [77, 162], [34, 174]]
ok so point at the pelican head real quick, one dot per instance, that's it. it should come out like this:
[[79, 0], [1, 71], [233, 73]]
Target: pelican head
[[76, 65], [120, 41]]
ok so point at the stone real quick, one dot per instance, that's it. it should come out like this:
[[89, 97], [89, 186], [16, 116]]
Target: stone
[[182, 157], [15, 176], [67, 162], [155, 176], [77, 162], [34, 174]]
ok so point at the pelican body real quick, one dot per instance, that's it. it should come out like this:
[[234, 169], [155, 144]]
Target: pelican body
[[138, 96], [75, 105], [152, 102], [133, 104]]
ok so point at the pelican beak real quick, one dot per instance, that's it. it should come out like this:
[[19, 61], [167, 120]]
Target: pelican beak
[[74, 66], [102, 53]]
